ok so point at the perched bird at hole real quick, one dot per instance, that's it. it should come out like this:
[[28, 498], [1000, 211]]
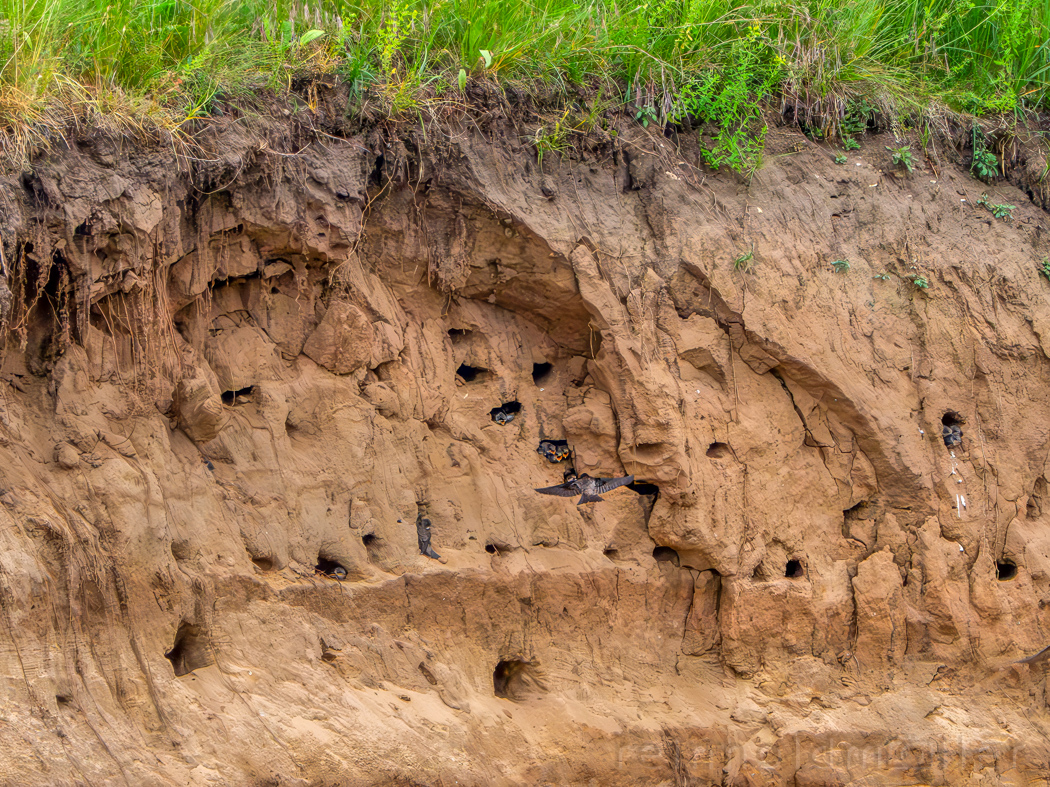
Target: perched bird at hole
[[552, 452], [423, 535], [501, 417], [589, 489], [952, 435], [339, 573]]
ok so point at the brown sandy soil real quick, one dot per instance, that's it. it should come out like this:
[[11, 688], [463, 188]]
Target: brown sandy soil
[[226, 373]]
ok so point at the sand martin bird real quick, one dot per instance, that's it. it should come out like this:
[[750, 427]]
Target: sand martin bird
[[590, 489]]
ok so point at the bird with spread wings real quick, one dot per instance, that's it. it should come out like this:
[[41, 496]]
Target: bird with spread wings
[[590, 489]]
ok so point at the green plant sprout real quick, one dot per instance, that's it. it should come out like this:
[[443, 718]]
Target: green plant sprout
[[745, 261], [901, 156], [646, 115], [998, 209]]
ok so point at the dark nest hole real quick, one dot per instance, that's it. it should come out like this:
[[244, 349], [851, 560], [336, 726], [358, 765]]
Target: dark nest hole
[[491, 549], [190, 650], [612, 553], [541, 371], [457, 333], [952, 418], [505, 412], [643, 488], [230, 397], [513, 677], [330, 567], [718, 450], [375, 177], [666, 555], [372, 544], [1005, 570], [471, 373], [794, 569]]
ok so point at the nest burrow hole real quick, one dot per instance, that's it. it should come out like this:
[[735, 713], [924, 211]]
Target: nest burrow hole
[[541, 371], [666, 555], [470, 373], [326, 565], [230, 397], [189, 651], [951, 418], [718, 450], [794, 569], [1005, 570], [508, 677]]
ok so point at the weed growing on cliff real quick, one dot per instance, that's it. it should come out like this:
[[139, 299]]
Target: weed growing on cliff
[[551, 140], [841, 266], [840, 158], [998, 209], [849, 143], [920, 281], [985, 165], [730, 98], [1044, 268], [901, 156], [881, 276], [744, 262], [646, 115]]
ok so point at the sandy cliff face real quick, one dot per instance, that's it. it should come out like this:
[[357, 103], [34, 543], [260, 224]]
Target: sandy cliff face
[[225, 382]]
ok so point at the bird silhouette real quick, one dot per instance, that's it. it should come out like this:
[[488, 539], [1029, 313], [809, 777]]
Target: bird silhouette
[[590, 489]]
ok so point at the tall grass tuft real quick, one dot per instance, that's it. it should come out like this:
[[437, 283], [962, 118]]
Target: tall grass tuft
[[165, 63]]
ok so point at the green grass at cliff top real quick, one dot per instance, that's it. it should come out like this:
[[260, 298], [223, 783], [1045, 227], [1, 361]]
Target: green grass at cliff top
[[166, 62]]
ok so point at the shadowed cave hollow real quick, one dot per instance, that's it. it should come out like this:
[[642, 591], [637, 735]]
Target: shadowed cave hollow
[[512, 679], [666, 555], [541, 371], [190, 650], [471, 374]]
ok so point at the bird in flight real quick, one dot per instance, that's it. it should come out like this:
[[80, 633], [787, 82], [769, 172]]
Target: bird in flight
[[590, 489]]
